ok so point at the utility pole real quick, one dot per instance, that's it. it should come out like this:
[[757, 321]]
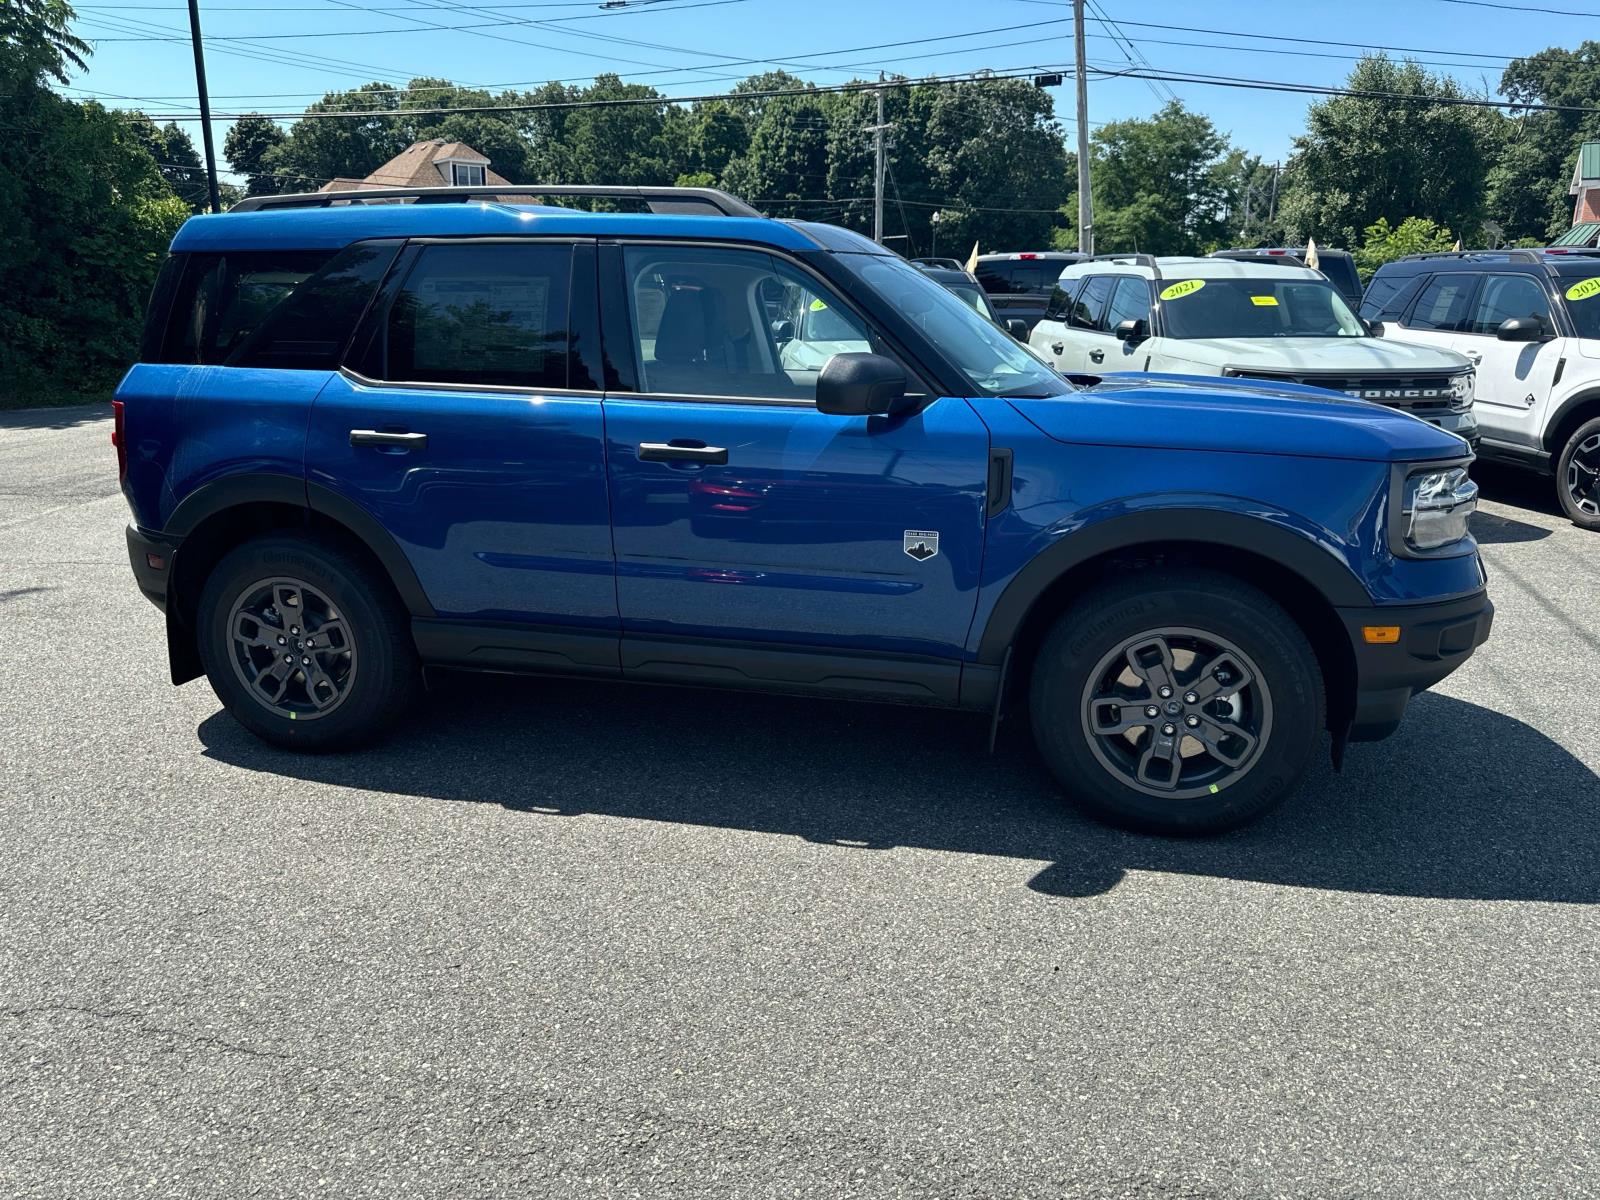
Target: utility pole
[[1085, 201], [1272, 205], [877, 132], [205, 105]]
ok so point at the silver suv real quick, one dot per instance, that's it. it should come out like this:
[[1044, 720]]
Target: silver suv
[[1255, 320]]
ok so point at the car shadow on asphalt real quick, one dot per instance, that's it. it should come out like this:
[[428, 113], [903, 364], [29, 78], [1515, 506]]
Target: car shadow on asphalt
[[1492, 529], [1462, 803], [1505, 484]]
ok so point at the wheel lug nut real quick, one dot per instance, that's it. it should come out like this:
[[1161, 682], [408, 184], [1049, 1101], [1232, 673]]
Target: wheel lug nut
[[1165, 692], [294, 629], [305, 662], [281, 642], [1191, 722], [1169, 730], [1190, 698], [288, 658], [1152, 711]]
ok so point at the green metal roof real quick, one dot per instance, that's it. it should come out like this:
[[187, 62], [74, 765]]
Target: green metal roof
[[1579, 235], [1589, 160]]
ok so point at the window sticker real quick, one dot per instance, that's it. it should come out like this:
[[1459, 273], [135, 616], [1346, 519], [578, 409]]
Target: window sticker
[[817, 306], [1265, 301], [1186, 287], [1586, 289]]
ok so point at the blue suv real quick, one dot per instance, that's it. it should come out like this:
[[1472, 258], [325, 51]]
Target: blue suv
[[693, 445]]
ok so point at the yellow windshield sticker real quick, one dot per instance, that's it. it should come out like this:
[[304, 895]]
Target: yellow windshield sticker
[[817, 306], [1588, 289], [1187, 287], [1265, 301]]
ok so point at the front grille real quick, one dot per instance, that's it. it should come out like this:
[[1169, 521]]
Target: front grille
[[1421, 394]]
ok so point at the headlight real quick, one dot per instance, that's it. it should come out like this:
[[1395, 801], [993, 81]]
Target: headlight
[[1435, 506], [1461, 388]]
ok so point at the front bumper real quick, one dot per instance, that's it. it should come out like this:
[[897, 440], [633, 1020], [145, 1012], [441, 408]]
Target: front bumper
[[150, 555], [1462, 424], [1434, 640]]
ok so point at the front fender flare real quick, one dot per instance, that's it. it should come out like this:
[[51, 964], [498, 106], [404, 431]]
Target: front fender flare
[[1315, 564]]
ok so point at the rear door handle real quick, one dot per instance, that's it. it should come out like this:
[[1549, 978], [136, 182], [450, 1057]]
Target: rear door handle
[[1097, 355], [1057, 348], [672, 452], [384, 437]]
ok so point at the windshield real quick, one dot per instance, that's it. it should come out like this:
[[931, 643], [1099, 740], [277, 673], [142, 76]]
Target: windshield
[[994, 363], [1583, 302], [1255, 308]]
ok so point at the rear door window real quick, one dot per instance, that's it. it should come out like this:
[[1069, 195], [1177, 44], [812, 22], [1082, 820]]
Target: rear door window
[[1061, 297], [487, 314], [311, 327], [1444, 303]]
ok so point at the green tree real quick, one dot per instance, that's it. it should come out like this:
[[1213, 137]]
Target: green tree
[[88, 220], [1527, 185], [37, 42], [1415, 235], [176, 158], [247, 147], [1166, 185], [1362, 158]]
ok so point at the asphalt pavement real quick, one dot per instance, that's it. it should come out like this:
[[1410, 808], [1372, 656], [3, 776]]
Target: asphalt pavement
[[583, 940]]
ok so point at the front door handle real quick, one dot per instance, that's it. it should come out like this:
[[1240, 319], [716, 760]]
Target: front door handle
[[384, 437], [1057, 348], [1097, 356], [673, 452]]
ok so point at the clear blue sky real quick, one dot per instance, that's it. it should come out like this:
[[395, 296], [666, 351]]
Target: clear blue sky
[[690, 47]]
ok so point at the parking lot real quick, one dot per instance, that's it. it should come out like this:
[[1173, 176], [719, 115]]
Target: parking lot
[[578, 939]]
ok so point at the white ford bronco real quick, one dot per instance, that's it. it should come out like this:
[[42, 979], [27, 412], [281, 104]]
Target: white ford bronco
[[1280, 323]]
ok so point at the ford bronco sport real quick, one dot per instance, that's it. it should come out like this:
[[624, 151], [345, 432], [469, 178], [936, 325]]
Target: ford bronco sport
[[367, 437]]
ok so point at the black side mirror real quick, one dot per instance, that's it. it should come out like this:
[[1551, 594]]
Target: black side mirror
[[1373, 328], [1521, 329], [783, 331], [1017, 328], [1133, 331], [861, 385]]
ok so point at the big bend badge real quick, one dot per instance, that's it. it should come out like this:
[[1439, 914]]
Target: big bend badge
[[921, 544]]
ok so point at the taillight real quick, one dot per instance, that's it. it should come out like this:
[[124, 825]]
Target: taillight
[[1027, 256], [119, 440]]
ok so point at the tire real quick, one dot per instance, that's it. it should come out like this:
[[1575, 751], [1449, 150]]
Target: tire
[[346, 689], [1577, 481], [1262, 730]]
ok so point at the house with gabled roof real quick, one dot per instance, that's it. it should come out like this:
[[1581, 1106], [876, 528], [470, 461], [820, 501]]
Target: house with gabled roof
[[433, 163], [1585, 193]]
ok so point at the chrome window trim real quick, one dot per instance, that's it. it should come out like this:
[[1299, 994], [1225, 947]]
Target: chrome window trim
[[471, 388]]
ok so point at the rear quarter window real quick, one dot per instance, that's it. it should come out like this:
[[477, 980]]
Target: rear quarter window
[[222, 299]]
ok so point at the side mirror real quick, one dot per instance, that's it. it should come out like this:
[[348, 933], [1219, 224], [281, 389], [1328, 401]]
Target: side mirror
[[1373, 328], [1017, 328], [861, 385], [783, 331], [1521, 329], [1133, 331]]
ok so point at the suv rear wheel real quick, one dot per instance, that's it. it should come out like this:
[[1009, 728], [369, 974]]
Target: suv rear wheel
[[305, 645], [1181, 701], [1578, 475]]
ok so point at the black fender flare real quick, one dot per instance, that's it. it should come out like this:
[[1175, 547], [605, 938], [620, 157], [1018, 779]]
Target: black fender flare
[[1332, 578], [1575, 401], [234, 491]]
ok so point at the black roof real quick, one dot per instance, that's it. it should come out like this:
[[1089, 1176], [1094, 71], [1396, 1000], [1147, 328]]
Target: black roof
[[1533, 261]]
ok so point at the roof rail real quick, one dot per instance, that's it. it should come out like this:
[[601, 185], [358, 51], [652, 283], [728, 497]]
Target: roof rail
[[1512, 254], [1134, 257], [691, 201]]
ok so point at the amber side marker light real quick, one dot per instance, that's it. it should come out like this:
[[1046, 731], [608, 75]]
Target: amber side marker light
[[1380, 635]]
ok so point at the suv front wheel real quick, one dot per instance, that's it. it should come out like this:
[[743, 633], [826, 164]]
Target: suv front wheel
[[305, 645], [1177, 701], [1578, 476]]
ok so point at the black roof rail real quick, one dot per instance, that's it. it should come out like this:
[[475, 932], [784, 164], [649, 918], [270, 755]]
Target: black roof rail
[[1513, 254], [692, 201], [1131, 256]]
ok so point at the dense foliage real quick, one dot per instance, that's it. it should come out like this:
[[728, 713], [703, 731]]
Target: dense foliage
[[88, 218]]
